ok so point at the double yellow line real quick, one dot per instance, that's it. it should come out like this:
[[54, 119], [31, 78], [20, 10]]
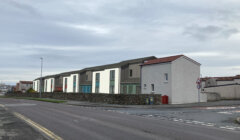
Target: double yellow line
[[36, 125]]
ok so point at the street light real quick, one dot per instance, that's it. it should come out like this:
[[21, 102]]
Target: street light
[[41, 78]]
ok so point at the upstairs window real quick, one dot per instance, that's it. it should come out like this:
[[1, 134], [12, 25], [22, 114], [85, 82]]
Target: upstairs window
[[97, 77], [166, 77], [130, 72], [112, 75]]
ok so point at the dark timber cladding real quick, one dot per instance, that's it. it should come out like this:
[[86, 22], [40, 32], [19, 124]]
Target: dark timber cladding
[[85, 82], [131, 75]]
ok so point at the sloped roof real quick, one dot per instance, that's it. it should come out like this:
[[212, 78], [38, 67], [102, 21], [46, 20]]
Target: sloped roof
[[229, 78], [101, 67], [162, 60], [26, 82]]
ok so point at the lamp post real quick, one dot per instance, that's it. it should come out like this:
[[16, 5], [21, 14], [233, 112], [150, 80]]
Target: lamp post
[[41, 78]]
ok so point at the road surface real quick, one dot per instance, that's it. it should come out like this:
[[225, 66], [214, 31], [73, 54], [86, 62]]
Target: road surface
[[88, 123]]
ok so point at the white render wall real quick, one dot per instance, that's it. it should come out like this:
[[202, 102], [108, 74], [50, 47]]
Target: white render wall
[[155, 74], [226, 82], [36, 85], [229, 92], [105, 81], [48, 88], [184, 76], [70, 83], [181, 85]]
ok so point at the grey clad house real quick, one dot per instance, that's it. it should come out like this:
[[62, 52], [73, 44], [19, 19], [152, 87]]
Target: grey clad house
[[131, 75], [85, 81]]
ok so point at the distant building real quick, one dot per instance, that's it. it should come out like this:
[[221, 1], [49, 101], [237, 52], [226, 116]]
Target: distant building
[[5, 88], [23, 86], [222, 87], [219, 81]]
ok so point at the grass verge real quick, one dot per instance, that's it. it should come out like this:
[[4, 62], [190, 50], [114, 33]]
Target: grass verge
[[37, 99]]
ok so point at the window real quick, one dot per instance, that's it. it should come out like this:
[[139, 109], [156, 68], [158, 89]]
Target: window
[[74, 83], [152, 85], [166, 77], [145, 86], [46, 86], [97, 82], [65, 88], [130, 89], [37, 86], [112, 75], [51, 85], [112, 82], [111, 89], [86, 77], [97, 76], [130, 72]]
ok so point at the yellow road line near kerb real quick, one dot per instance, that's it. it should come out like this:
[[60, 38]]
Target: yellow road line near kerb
[[1, 105], [39, 127]]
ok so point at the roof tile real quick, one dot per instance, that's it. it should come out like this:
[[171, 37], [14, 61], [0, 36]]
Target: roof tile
[[162, 60]]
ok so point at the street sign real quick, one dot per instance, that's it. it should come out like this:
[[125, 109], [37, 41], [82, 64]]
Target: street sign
[[198, 82]]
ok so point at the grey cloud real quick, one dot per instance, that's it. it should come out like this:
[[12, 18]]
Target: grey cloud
[[137, 28], [209, 32], [45, 33]]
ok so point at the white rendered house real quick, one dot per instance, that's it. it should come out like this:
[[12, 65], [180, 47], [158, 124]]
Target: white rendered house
[[174, 76], [49, 85], [106, 81], [70, 83]]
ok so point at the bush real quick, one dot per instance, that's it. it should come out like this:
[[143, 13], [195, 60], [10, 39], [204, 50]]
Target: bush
[[31, 91]]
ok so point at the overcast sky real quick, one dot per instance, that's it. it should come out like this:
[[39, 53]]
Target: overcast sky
[[74, 34]]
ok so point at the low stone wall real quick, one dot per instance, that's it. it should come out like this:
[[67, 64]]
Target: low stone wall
[[211, 96], [123, 99], [226, 92]]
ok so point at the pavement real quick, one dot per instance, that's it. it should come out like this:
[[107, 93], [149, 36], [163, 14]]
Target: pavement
[[126, 122], [189, 105], [12, 128]]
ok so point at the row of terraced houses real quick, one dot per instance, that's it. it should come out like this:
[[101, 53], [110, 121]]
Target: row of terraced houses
[[174, 76]]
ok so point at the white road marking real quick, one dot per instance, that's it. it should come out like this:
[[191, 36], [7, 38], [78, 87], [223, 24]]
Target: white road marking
[[18, 105], [225, 112], [221, 107]]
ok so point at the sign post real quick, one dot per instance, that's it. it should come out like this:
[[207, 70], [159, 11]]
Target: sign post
[[198, 82]]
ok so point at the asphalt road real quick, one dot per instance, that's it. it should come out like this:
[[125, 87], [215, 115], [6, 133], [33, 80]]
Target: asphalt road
[[12, 128], [87, 123]]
